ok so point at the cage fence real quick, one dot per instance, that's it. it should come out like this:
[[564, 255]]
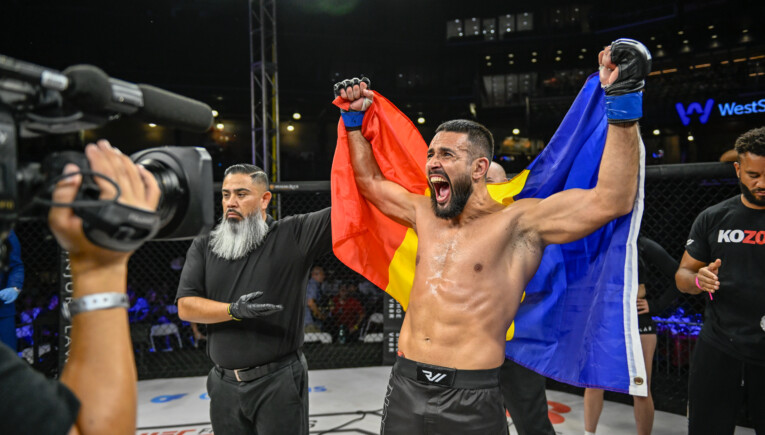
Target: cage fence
[[356, 324]]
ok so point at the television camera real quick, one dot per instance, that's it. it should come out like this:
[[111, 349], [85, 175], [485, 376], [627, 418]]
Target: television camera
[[36, 101]]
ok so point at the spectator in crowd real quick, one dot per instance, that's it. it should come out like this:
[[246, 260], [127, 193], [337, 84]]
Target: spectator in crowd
[[139, 306], [11, 283], [347, 313], [329, 288], [724, 257], [247, 280], [97, 390], [29, 312], [53, 303], [371, 297], [198, 334], [313, 294]]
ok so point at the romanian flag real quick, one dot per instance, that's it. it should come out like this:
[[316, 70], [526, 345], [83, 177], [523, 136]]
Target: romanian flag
[[578, 320]]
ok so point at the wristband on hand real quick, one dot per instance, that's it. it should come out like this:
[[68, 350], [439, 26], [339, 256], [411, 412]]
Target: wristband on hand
[[624, 99], [624, 108], [711, 298], [97, 301], [353, 120], [228, 309]]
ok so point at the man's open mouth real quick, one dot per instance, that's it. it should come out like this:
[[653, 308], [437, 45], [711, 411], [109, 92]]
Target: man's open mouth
[[442, 188]]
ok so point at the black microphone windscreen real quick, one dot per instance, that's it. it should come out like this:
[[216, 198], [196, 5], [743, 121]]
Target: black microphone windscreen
[[173, 110], [88, 88]]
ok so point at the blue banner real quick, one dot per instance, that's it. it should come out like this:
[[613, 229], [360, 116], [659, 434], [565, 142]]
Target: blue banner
[[578, 321]]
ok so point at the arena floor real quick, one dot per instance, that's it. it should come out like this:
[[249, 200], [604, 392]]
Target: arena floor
[[349, 401]]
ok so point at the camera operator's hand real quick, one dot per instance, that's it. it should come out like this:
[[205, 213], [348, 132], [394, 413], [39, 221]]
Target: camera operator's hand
[[100, 338], [138, 189]]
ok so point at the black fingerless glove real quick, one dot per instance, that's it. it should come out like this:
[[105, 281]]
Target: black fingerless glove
[[624, 99], [352, 119], [246, 308]]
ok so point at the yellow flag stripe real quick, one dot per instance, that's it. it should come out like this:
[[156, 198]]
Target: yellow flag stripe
[[401, 269], [503, 193]]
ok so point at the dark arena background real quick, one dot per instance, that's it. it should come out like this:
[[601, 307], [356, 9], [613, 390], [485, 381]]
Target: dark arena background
[[267, 69]]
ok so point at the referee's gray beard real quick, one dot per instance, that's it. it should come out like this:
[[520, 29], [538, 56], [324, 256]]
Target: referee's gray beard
[[232, 240]]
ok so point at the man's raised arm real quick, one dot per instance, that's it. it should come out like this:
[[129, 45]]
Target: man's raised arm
[[575, 213], [101, 370], [390, 198]]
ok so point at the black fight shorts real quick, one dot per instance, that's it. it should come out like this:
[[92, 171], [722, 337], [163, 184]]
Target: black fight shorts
[[427, 399], [646, 325]]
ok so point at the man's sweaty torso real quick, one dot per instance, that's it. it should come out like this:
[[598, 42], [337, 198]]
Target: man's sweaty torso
[[468, 283]]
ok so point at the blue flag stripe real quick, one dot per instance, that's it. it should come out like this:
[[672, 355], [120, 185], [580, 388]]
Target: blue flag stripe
[[578, 322]]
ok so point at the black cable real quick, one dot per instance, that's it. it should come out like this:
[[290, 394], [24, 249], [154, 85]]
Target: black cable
[[38, 200]]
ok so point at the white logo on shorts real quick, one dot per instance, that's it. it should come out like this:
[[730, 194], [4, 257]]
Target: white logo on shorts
[[689, 242], [762, 323], [434, 377]]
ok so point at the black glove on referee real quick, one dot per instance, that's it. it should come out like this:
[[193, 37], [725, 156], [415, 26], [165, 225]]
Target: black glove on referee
[[245, 308]]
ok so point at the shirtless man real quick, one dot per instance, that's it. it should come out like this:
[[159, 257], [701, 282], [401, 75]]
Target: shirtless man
[[475, 256]]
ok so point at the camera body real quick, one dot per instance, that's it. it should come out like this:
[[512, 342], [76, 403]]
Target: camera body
[[39, 101]]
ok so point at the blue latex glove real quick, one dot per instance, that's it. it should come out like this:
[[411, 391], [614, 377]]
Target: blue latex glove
[[9, 295]]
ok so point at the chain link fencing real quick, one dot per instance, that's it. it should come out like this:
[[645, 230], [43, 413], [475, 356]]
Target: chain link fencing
[[674, 196], [356, 324]]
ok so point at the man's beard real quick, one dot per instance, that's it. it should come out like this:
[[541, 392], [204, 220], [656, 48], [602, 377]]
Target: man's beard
[[750, 196], [461, 189], [233, 239]]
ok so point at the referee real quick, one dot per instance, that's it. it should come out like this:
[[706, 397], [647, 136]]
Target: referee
[[247, 281]]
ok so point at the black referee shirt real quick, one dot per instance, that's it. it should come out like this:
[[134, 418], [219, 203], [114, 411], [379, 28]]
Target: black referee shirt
[[279, 268]]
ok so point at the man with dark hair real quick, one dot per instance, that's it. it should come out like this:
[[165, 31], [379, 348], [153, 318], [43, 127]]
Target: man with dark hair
[[724, 256], [247, 280], [478, 135], [475, 256]]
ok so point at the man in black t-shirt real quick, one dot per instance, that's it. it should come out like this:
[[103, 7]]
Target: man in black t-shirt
[[246, 280], [725, 256]]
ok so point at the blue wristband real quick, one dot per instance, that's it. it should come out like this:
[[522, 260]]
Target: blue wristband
[[352, 119], [624, 108]]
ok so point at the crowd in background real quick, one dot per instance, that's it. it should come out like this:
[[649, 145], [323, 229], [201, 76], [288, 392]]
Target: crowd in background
[[341, 308]]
